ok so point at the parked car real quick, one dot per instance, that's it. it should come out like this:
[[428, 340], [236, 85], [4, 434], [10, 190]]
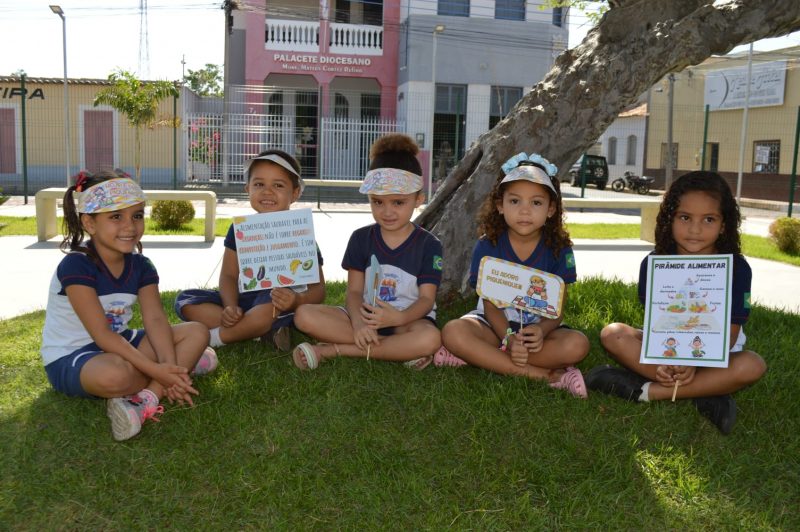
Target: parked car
[[589, 169]]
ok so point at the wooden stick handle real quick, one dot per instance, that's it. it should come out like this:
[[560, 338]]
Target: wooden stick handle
[[675, 391]]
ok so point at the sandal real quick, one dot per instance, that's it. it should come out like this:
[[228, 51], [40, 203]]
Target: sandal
[[419, 363], [312, 359], [571, 381], [443, 357]]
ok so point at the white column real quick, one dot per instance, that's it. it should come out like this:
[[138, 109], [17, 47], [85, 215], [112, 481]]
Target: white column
[[478, 98]]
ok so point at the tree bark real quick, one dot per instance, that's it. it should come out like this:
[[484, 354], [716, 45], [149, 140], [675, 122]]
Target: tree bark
[[636, 43]]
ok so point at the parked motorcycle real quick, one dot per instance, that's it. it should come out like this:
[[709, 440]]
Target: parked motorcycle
[[638, 184]]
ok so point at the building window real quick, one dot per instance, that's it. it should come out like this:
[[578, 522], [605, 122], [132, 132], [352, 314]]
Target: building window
[[509, 9], [501, 101], [674, 155], [612, 150], [359, 12], [453, 8], [630, 157], [766, 156], [558, 17], [712, 157]]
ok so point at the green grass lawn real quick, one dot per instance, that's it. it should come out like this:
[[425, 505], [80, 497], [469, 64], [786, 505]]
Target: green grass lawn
[[371, 445]]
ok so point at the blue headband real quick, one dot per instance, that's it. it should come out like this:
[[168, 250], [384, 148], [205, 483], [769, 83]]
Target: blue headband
[[535, 158]]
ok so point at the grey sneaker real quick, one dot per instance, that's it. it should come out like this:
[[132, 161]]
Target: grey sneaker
[[127, 414], [719, 409]]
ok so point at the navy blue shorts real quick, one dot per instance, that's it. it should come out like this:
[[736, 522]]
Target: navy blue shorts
[[247, 301], [64, 374]]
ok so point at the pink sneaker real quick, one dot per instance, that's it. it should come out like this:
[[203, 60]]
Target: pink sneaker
[[571, 381], [443, 357], [128, 413], [207, 363]]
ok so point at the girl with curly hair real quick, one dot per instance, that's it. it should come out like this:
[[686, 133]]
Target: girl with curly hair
[[521, 221], [698, 216]]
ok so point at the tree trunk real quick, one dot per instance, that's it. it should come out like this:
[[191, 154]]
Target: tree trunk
[[635, 44]]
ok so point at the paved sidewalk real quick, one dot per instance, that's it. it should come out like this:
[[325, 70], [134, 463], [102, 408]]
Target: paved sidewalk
[[188, 261]]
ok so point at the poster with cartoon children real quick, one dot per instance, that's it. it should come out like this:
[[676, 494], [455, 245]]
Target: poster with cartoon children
[[507, 284], [687, 310]]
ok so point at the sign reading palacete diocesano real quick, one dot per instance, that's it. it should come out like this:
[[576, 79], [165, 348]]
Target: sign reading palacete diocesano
[[687, 310], [276, 249]]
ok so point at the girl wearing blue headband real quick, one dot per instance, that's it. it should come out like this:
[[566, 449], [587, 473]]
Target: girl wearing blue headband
[[521, 221]]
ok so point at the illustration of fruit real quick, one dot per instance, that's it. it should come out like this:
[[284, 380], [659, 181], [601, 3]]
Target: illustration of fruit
[[248, 272], [239, 235], [282, 279], [308, 264], [261, 272], [294, 265], [266, 283]]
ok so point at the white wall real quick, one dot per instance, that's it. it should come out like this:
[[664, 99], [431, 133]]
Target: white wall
[[416, 109], [478, 98], [481, 8], [622, 128]]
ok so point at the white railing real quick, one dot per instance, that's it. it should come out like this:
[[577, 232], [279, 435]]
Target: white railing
[[346, 142], [356, 39], [292, 35]]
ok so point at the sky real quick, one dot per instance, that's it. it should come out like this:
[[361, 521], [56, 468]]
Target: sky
[[101, 39]]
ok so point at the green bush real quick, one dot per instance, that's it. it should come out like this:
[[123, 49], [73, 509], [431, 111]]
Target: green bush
[[786, 234], [172, 214], [3, 198]]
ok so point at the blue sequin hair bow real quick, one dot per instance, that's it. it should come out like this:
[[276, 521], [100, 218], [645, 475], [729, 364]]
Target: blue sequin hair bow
[[534, 158]]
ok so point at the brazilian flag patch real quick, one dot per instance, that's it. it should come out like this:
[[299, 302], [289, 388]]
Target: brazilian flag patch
[[570, 260], [747, 300], [437, 262]]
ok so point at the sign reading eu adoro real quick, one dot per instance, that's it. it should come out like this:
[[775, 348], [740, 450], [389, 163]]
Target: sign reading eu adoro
[[727, 89]]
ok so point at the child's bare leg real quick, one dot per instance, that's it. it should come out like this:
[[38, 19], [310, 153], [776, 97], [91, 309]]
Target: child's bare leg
[[561, 348], [624, 344], [327, 324], [109, 375], [208, 314], [744, 368], [255, 323], [474, 342], [418, 339], [191, 339]]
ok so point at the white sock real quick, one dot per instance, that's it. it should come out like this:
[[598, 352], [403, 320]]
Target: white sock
[[215, 340], [645, 396], [149, 396]]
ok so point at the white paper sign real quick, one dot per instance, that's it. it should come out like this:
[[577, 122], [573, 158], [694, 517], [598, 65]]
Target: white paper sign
[[276, 249], [508, 284], [687, 310]]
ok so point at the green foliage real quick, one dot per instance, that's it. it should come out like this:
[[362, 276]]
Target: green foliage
[[3, 198], [786, 234], [593, 9], [206, 81], [373, 446], [137, 100], [172, 214]]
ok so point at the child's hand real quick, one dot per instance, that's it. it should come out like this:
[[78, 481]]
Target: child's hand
[[175, 393], [517, 350], [284, 299], [684, 374], [532, 337], [665, 375], [175, 377], [231, 316], [364, 336], [382, 315]]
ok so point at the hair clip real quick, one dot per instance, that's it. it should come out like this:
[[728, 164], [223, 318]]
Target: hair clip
[[534, 158], [81, 179]]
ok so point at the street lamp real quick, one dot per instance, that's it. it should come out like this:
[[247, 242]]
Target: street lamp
[[439, 28], [60, 12]]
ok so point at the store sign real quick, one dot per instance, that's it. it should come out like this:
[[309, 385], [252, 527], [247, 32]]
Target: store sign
[[727, 89], [7, 93], [294, 62]]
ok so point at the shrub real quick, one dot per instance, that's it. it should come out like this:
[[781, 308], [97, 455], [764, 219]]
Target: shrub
[[172, 214], [2, 197], [786, 234]]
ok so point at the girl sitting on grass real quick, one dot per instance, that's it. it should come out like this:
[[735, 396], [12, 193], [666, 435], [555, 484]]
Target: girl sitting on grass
[[698, 216], [521, 222], [399, 325], [87, 348]]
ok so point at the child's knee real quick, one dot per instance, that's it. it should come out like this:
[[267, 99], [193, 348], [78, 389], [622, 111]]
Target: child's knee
[[117, 379], [750, 368], [452, 332], [303, 317], [576, 347]]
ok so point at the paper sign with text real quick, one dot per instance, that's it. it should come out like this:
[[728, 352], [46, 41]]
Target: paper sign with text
[[687, 312], [276, 249], [508, 284]]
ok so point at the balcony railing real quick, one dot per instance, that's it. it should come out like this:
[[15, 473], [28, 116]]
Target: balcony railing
[[292, 35], [356, 39]]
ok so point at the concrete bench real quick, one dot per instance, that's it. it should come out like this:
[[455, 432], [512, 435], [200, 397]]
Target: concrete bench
[[46, 198], [648, 207]]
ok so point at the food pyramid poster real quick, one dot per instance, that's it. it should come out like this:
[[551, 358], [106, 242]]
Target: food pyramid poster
[[276, 249], [687, 310]]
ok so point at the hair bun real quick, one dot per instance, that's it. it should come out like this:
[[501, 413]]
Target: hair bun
[[395, 150]]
